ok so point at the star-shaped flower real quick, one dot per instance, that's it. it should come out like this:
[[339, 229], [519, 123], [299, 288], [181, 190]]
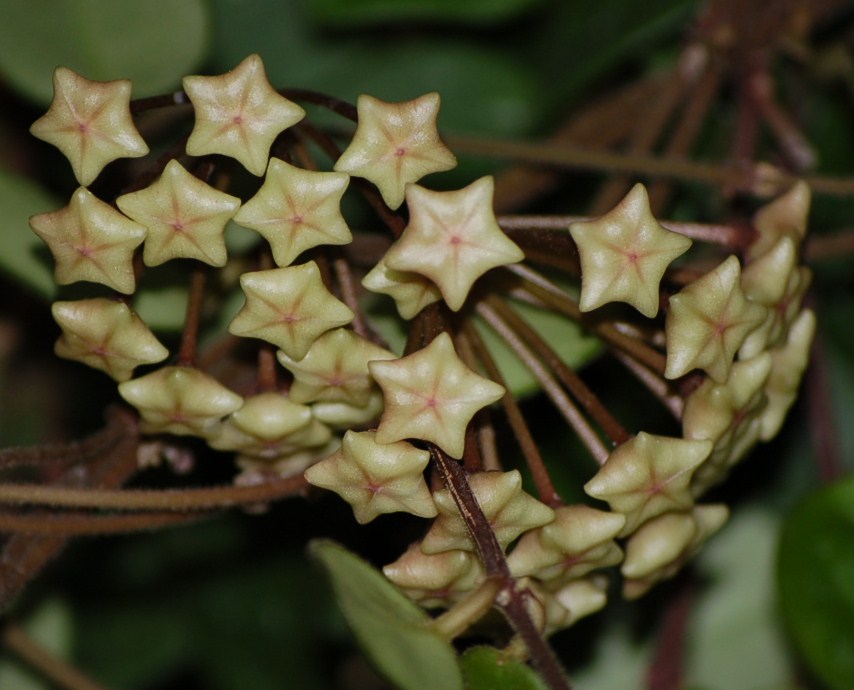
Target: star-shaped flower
[[579, 540], [727, 414], [436, 579], [288, 307], [376, 478], [708, 321], [179, 400], [786, 216], [660, 548], [90, 122], [266, 426], [90, 241], [105, 334], [297, 209], [185, 217], [431, 395], [395, 144], [776, 282], [647, 476], [788, 365], [452, 238], [335, 369], [238, 114], [624, 255], [508, 508], [411, 292]]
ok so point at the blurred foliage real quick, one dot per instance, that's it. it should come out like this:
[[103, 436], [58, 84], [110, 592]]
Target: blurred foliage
[[234, 603]]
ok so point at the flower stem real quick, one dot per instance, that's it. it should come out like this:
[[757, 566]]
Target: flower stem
[[51, 667], [579, 390], [150, 499], [190, 335], [539, 472], [462, 615], [63, 524], [552, 388]]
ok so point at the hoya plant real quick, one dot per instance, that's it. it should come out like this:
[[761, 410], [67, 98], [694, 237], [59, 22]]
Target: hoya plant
[[365, 325]]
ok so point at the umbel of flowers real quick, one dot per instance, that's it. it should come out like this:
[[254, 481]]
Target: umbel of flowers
[[333, 400]]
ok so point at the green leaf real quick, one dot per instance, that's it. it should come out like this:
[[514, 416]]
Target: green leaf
[[391, 67], [394, 632], [734, 637], [154, 43], [19, 246], [351, 12], [816, 581], [486, 668], [50, 626]]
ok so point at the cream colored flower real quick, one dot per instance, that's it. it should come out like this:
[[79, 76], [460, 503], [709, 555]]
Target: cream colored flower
[[296, 210], [185, 217], [395, 144], [288, 307], [624, 255], [647, 476], [105, 334], [179, 400], [376, 478], [708, 321], [90, 122], [238, 114], [452, 238], [431, 395], [91, 241]]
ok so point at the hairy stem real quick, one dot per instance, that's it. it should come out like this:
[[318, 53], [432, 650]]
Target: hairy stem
[[539, 472], [579, 390], [74, 524], [179, 500], [552, 388], [190, 334]]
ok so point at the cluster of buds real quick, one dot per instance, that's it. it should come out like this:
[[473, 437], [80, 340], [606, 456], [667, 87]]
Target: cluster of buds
[[364, 421]]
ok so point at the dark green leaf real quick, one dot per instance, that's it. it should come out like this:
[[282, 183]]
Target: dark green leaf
[[19, 246], [486, 668], [154, 43], [394, 632], [483, 89], [350, 12], [816, 577]]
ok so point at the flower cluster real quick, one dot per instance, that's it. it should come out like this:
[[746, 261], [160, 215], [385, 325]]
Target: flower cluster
[[363, 420]]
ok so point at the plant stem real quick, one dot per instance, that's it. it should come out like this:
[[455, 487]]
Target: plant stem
[[267, 375], [548, 293], [336, 105], [729, 236], [190, 335], [752, 179], [23, 555], [51, 667], [75, 524], [539, 472], [509, 599], [579, 390], [561, 401], [349, 293], [179, 500]]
